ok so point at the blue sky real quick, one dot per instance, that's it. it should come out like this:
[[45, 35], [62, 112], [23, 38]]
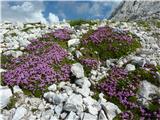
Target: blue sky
[[50, 11]]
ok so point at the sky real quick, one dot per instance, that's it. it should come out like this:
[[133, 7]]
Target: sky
[[55, 11]]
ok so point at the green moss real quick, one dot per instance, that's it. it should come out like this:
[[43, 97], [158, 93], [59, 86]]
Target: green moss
[[38, 93], [4, 59], [110, 48], [153, 106], [158, 24], [144, 24], [147, 75], [27, 92], [34, 110], [96, 95], [12, 102], [13, 34], [80, 22]]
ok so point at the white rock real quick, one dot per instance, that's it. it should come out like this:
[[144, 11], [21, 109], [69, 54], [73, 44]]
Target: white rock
[[130, 67], [53, 118], [83, 82], [136, 58], [120, 63], [102, 116], [17, 54], [46, 115], [111, 109], [84, 91], [88, 101], [78, 54], [49, 96], [93, 110], [52, 87], [92, 105], [1, 117], [58, 109], [101, 98], [94, 72], [153, 63], [158, 76], [59, 98], [73, 42], [146, 90], [68, 90], [20, 113], [155, 46], [2, 70], [61, 84], [74, 103], [63, 115], [72, 116], [88, 116], [77, 70], [5, 94], [17, 89]]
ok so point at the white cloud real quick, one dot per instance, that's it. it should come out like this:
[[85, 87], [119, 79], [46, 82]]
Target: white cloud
[[31, 11], [97, 8], [53, 18]]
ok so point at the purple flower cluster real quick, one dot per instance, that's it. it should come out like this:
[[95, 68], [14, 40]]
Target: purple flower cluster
[[35, 71], [145, 113], [127, 115], [108, 33], [123, 86], [111, 87], [62, 34], [91, 63]]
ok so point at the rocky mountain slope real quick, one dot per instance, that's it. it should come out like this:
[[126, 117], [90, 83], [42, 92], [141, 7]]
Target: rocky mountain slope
[[136, 10], [95, 70], [83, 70]]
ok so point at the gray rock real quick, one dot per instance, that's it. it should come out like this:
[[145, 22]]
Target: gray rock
[[136, 10], [77, 70]]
